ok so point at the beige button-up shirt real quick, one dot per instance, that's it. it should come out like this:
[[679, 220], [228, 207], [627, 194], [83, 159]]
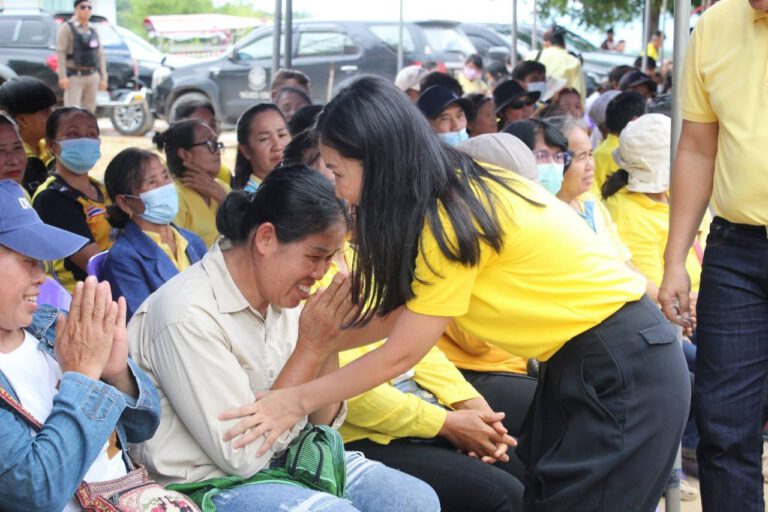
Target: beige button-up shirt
[[207, 350]]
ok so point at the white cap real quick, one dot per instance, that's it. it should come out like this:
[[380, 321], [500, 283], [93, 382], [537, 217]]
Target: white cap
[[643, 152], [410, 77], [503, 150]]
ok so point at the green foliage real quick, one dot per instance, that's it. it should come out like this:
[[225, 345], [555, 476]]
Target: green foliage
[[601, 14]]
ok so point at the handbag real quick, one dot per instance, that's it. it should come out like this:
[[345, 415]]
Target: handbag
[[314, 460], [133, 492]]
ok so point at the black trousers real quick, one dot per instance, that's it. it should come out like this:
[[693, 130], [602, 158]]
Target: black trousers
[[608, 416], [510, 393], [462, 483]]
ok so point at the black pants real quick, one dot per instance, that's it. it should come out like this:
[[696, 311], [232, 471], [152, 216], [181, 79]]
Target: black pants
[[608, 416], [462, 483]]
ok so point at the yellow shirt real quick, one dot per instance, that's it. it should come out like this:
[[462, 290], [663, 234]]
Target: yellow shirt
[[726, 81], [471, 353], [643, 225], [386, 413], [225, 174], [561, 64], [196, 216], [605, 165], [180, 260], [604, 226], [41, 152], [553, 279], [470, 86], [653, 53]]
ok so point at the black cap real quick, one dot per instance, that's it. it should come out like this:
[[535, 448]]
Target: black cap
[[509, 91], [437, 98], [635, 78]]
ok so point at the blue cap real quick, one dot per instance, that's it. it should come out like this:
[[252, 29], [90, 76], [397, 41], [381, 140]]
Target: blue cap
[[21, 229], [437, 98]]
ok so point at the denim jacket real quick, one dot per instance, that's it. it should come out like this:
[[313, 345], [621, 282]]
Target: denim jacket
[[42, 471]]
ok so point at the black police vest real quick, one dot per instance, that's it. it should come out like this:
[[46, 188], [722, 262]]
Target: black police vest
[[85, 47]]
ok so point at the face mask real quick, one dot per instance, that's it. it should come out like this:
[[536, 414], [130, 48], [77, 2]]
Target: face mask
[[551, 176], [454, 138], [160, 205], [471, 73], [80, 155], [537, 87]]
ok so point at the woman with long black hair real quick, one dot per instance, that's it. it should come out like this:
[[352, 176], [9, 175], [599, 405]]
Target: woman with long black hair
[[439, 237]]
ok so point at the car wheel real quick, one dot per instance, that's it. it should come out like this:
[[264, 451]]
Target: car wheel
[[184, 98], [134, 119]]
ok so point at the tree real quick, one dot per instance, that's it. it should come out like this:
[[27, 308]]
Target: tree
[[601, 14]]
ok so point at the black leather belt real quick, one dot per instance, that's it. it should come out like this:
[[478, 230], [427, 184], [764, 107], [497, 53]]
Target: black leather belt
[[744, 228], [80, 72]]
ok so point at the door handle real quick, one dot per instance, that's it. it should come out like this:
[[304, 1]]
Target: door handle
[[348, 68]]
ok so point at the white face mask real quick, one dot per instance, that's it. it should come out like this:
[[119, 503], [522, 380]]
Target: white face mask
[[537, 87]]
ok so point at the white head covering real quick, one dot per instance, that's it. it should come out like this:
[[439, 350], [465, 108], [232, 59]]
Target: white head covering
[[504, 150], [644, 147], [410, 77]]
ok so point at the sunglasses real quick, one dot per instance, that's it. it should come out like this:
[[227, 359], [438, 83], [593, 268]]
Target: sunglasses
[[213, 146], [525, 102], [83, 7]]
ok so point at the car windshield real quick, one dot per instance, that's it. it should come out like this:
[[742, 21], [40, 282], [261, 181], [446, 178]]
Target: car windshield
[[108, 35], [447, 39]]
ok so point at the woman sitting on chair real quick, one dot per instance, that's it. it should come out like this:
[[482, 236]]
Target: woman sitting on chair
[[150, 250]]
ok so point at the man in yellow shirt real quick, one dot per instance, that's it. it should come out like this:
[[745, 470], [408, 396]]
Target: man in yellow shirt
[[720, 158], [654, 45], [560, 63]]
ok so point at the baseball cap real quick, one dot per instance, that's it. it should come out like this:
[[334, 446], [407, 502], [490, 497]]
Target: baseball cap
[[644, 153], [437, 98], [507, 92], [21, 229], [635, 78], [410, 77]]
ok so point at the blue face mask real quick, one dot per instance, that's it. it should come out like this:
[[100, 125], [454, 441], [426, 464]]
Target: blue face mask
[[80, 155], [454, 138], [160, 205], [551, 176]]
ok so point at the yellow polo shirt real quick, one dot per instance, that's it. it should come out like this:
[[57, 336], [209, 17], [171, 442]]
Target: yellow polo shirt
[[180, 260], [643, 225], [197, 216], [605, 165], [725, 81], [553, 279], [653, 53], [471, 353]]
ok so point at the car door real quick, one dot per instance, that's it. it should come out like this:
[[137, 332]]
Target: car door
[[329, 55], [244, 75]]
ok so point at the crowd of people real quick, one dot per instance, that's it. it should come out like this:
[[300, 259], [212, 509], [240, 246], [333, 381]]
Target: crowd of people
[[444, 293]]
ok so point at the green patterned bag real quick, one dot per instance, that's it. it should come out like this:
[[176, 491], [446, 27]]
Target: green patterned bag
[[314, 460]]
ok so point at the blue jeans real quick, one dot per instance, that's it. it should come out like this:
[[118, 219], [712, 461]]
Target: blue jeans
[[732, 367], [371, 487]]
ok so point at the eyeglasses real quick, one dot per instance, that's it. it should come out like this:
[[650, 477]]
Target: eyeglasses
[[561, 157], [213, 146], [517, 105], [83, 7]]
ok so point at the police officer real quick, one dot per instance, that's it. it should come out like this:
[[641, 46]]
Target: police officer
[[82, 68]]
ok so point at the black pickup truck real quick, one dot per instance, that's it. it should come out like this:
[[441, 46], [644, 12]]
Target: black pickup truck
[[28, 47]]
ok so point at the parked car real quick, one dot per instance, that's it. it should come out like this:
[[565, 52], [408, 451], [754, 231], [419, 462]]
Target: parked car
[[490, 44], [28, 47], [330, 53]]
